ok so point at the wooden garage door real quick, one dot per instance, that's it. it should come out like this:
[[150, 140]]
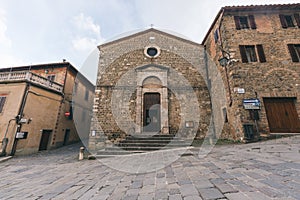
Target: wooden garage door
[[282, 115]]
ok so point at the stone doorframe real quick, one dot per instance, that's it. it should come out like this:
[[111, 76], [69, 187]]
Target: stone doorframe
[[152, 79]]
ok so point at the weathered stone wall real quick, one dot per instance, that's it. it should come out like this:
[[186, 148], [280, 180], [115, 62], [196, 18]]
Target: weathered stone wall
[[277, 77], [119, 59]]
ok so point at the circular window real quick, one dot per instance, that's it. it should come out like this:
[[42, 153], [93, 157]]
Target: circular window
[[152, 51]]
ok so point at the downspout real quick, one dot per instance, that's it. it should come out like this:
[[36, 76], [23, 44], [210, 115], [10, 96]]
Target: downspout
[[223, 55], [18, 117]]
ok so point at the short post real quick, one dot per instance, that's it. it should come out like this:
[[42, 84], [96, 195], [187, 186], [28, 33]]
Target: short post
[[81, 151]]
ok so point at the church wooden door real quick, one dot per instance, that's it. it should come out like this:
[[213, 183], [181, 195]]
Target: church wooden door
[[151, 112]]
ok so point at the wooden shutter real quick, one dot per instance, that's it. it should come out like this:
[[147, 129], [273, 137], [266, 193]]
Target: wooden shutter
[[252, 22], [283, 22], [293, 53], [237, 22], [243, 53], [261, 53], [297, 18]]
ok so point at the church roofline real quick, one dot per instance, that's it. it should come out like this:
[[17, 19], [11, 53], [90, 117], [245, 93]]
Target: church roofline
[[147, 31]]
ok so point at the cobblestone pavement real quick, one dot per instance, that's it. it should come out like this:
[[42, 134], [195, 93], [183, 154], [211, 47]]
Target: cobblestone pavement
[[265, 170]]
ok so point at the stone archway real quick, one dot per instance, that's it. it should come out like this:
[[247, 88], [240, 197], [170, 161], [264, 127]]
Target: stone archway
[[152, 100]]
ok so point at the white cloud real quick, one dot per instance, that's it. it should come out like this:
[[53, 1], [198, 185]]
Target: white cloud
[[84, 43], [88, 34], [86, 23]]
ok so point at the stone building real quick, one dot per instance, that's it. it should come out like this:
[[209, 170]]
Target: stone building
[[151, 82], [258, 48], [241, 83], [39, 106]]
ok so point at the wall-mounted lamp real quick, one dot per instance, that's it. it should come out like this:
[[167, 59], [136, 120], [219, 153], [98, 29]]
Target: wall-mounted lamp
[[223, 61]]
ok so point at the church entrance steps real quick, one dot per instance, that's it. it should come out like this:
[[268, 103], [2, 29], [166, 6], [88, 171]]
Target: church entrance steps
[[142, 144]]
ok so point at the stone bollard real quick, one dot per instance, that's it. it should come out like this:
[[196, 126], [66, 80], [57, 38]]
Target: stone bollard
[[81, 151]]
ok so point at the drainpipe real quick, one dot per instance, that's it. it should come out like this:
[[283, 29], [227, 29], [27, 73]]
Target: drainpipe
[[19, 116]]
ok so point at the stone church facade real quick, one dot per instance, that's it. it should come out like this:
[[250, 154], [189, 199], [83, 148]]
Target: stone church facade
[[150, 82]]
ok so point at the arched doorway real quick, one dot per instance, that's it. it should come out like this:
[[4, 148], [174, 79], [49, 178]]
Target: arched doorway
[[152, 99], [152, 112]]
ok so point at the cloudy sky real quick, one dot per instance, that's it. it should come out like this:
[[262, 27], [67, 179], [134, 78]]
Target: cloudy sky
[[41, 31]]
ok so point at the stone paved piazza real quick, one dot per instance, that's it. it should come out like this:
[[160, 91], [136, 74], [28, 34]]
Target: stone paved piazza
[[264, 170]]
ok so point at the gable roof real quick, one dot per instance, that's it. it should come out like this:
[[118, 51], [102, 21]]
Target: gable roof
[[138, 32]]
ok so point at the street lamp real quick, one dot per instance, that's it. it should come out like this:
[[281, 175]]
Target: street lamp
[[223, 61]]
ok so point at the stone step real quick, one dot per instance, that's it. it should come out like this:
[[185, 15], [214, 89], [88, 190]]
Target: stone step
[[151, 141], [138, 148], [151, 138], [117, 152], [140, 143], [153, 144]]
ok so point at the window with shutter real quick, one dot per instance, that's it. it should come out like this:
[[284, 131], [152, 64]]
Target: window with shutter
[[287, 21], [294, 50], [237, 22], [252, 22], [261, 53], [297, 18], [243, 54], [242, 22], [248, 53]]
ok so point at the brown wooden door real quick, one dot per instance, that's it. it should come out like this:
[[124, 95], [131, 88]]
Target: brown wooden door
[[45, 140], [282, 115], [151, 112]]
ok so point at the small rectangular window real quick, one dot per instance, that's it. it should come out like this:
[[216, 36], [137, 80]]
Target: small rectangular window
[[286, 21], [248, 53], [51, 78], [2, 102], [224, 110], [86, 96], [242, 22], [216, 35], [294, 50]]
